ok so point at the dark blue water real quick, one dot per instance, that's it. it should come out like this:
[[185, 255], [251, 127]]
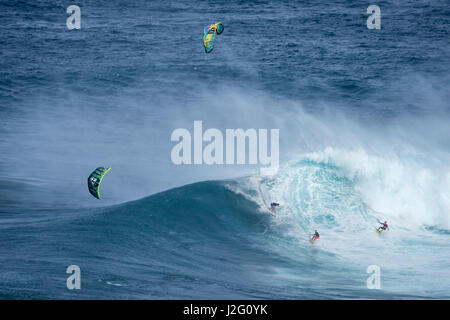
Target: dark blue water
[[363, 118]]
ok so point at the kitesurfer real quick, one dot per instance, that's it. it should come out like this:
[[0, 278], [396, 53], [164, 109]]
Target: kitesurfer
[[383, 226]]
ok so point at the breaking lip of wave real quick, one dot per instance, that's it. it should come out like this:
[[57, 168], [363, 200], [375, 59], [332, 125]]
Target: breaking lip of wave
[[409, 189]]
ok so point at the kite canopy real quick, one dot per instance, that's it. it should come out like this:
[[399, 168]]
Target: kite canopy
[[209, 34], [94, 180]]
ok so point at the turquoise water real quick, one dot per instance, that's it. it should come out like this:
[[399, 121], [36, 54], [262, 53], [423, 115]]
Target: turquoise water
[[363, 118]]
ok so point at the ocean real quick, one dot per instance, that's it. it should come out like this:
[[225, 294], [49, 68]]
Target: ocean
[[363, 118]]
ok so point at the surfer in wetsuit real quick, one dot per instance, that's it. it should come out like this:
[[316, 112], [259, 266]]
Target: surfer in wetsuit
[[383, 226], [273, 205]]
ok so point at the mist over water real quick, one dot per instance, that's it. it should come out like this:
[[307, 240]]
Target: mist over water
[[363, 118]]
